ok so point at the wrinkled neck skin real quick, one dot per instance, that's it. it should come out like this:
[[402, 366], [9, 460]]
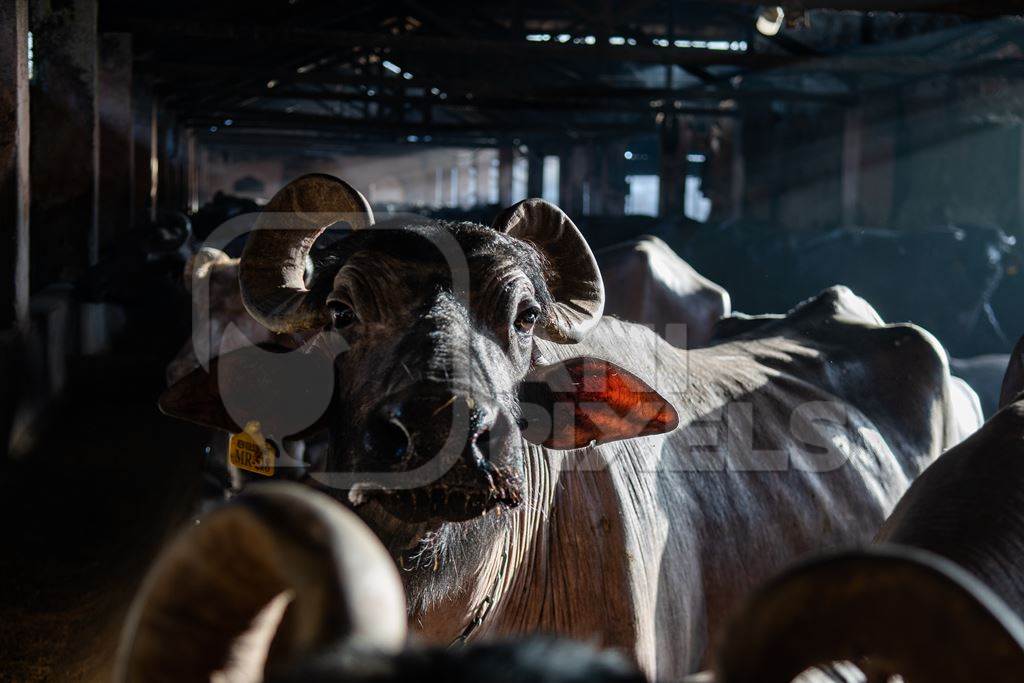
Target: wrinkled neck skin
[[457, 572]]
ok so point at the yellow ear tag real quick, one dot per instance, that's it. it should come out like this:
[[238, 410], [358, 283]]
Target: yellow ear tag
[[249, 451]]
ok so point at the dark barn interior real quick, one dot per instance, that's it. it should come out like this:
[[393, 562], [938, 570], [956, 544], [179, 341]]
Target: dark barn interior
[[726, 164]]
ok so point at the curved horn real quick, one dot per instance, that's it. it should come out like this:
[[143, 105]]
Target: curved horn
[[575, 281], [279, 573], [904, 610], [200, 263], [274, 260]]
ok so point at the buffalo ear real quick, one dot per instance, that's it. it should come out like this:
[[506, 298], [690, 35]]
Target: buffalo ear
[[576, 285], [288, 391], [585, 400], [196, 398]]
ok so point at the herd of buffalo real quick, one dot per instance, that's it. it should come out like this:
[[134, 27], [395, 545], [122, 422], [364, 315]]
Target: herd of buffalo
[[458, 452]]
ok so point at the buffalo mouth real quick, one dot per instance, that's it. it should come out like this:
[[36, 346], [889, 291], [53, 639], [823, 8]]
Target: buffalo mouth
[[449, 503]]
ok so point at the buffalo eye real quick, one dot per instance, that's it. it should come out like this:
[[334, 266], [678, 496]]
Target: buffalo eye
[[526, 319], [341, 315]]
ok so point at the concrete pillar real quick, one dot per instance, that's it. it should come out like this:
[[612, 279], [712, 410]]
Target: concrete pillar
[[738, 176], [142, 117], [64, 140], [166, 142], [14, 165], [724, 172], [193, 172], [506, 157], [675, 141], [117, 153], [850, 183], [535, 173], [148, 135], [611, 195], [763, 177], [574, 191]]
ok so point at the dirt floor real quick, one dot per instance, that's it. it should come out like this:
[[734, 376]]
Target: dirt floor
[[106, 481]]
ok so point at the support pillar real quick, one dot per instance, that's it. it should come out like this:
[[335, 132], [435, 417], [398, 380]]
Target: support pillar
[[574, 185], [738, 186], [166, 148], [154, 160], [117, 154], [724, 172], [612, 174], [853, 130], [142, 121], [506, 157], [14, 166], [193, 171], [674, 142], [535, 173], [64, 151]]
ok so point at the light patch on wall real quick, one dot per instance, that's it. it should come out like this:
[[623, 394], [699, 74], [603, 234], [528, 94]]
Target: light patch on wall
[[695, 204], [550, 178], [642, 197], [520, 174], [493, 182]]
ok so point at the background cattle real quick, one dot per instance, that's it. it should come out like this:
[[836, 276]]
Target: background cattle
[[798, 433], [985, 375], [647, 282], [942, 278], [220, 323]]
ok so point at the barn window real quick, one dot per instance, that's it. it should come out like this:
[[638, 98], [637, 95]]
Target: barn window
[[493, 191], [31, 58], [472, 191], [550, 176], [642, 197], [695, 205], [520, 173]]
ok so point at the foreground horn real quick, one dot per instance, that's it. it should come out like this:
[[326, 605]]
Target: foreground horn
[[573, 279], [271, 273], [278, 575], [893, 609]]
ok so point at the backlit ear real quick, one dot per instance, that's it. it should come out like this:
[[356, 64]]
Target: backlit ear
[[286, 390], [586, 400], [196, 398]]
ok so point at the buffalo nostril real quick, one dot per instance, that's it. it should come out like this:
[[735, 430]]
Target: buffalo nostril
[[387, 437]]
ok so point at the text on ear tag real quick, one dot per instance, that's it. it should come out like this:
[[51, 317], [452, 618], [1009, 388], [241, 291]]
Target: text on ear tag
[[252, 453]]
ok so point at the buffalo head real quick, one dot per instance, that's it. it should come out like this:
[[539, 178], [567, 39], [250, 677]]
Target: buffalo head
[[426, 337]]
